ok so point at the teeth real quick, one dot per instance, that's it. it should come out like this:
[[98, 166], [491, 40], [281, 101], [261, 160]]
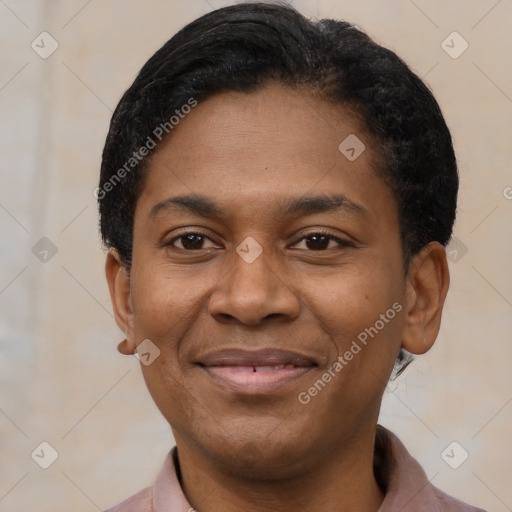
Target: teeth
[[244, 368], [268, 368], [253, 369]]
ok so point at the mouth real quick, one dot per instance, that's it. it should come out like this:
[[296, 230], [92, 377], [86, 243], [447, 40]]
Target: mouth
[[256, 372]]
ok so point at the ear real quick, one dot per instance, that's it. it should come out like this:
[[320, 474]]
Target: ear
[[428, 280], [118, 278]]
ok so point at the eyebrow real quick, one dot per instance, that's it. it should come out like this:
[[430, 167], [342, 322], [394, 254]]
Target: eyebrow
[[305, 205]]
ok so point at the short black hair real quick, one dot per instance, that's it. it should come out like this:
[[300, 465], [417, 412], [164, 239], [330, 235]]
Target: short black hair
[[243, 48]]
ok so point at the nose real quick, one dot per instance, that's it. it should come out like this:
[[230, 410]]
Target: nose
[[252, 292]]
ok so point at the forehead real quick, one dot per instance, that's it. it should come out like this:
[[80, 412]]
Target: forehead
[[263, 146], [290, 121]]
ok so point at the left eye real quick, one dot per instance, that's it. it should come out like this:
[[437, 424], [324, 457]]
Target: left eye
[[321, 242]]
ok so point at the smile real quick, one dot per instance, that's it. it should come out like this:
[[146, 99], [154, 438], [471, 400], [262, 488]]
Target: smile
[[253, 373]]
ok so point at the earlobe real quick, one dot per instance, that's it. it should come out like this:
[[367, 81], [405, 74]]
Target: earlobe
[[428, 280], [126, 347], [118, 279]]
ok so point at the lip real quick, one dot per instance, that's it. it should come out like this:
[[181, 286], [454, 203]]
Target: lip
[[255, 372]]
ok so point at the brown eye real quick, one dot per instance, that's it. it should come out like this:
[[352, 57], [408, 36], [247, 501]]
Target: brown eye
[[321, 242], [317, 242], [190, 241]]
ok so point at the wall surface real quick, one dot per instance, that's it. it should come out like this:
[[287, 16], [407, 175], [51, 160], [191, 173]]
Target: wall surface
[[61, 379]]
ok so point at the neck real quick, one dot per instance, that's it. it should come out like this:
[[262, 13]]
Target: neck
[[343, 482]]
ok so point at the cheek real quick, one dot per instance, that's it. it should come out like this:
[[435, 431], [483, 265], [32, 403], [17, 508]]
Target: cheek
[[352, 299], [164, 302], [165, 385], [361, 310], [365, 331], [167, 306]]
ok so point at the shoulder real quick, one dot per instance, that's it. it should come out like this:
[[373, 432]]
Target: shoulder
[[407, 486], [140, 502], [451, 504], [164, 494]]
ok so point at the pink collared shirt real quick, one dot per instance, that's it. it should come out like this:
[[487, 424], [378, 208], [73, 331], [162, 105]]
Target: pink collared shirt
[[408, 489]]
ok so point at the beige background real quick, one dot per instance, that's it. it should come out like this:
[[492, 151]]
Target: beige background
[[62, 380]]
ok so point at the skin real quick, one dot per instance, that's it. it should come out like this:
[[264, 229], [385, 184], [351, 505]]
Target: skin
[[250, 153]]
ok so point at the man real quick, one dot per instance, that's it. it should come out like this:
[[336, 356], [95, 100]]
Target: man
[[276, 195]]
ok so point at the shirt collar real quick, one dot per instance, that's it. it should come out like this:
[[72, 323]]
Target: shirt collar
[[167, 493], [406, 486]]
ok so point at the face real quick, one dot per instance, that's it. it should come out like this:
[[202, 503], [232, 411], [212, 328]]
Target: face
[[267, 269]]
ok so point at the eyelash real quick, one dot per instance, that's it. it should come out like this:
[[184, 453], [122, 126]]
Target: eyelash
[[341, 242]]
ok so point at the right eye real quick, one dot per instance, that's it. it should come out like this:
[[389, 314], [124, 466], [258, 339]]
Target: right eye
[[190, 241]]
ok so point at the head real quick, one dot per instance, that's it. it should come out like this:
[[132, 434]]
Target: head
[[270, 183]]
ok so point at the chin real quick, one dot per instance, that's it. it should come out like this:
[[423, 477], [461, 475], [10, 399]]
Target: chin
[[259, 453]]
